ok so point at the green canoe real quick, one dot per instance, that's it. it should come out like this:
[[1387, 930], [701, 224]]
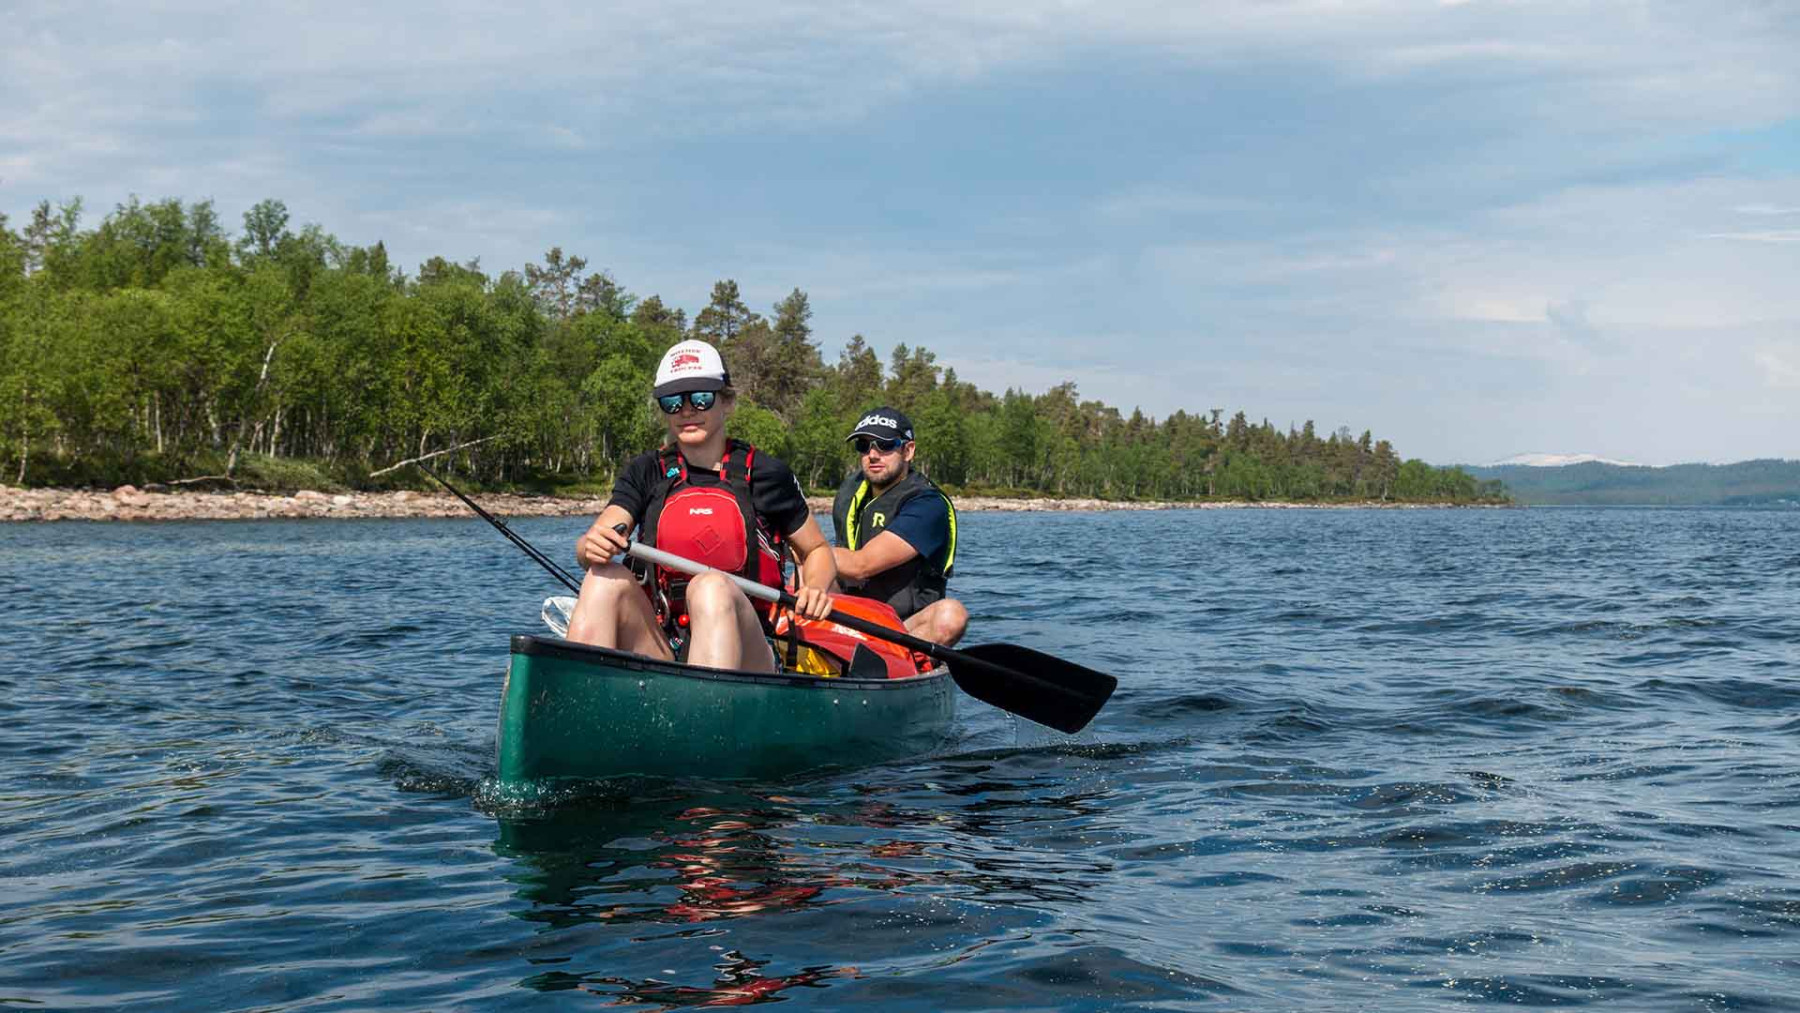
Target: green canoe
[[570, 711]]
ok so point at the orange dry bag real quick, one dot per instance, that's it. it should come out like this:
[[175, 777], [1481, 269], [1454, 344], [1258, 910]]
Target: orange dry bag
[[840, 642]]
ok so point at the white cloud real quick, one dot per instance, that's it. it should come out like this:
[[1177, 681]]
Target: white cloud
[[414, 124], [1780, 365], [1422, 218], [1633, 255], [1162, 200], [1765, 236]]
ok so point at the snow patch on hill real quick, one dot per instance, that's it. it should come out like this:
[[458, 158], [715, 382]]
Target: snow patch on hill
[[1559, 460]]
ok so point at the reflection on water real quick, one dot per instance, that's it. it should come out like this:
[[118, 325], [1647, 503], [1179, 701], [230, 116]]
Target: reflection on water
[[698, 858], [670, 861], [667, 861], [705, 858], [740, 982]]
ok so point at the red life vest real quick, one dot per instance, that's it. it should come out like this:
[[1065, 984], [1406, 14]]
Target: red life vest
[[711, 524]]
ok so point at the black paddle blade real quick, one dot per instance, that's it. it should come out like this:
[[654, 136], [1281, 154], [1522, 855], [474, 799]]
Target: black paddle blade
[[866, 664], [1035, 686]]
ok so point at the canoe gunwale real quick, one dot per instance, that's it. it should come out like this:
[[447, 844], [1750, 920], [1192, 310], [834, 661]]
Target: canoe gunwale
[[536, 646]]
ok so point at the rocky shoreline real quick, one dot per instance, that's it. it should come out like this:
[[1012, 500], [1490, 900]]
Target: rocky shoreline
[[127, 503]]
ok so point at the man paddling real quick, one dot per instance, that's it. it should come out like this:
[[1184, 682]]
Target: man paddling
[[896, 530]]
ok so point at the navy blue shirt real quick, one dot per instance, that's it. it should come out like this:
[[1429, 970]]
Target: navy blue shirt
[[922, 522]]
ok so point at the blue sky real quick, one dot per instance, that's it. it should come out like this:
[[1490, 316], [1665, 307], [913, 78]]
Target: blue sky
[[1478, 229]]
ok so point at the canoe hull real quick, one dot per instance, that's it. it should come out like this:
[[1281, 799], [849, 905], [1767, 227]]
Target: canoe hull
[[569, 711]]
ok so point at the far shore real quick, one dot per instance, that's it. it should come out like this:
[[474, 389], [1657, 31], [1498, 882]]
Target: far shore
[[128, 503]]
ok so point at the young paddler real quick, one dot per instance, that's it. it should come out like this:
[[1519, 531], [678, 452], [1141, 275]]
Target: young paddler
[[709, 498]]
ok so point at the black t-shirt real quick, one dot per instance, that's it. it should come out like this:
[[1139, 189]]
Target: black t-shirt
[[774, 490]]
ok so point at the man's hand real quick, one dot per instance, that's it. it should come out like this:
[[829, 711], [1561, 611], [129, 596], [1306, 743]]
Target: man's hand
[[812, 602], [598, 544]]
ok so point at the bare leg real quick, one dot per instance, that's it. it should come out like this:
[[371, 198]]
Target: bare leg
[[723, 629], [941, 622], [613, 612]]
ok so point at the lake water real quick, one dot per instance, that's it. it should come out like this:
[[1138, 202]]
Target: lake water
[[1358, 760]]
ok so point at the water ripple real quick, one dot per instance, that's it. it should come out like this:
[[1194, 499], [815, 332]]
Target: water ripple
[[1359, 760]]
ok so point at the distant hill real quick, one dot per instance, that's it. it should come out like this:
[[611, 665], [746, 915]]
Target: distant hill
[[1594, 483]]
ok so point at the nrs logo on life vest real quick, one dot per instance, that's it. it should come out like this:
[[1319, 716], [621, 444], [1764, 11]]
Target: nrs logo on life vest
[[707, 511]]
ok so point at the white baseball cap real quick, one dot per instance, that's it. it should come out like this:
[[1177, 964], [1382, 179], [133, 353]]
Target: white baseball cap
[[690, 365]]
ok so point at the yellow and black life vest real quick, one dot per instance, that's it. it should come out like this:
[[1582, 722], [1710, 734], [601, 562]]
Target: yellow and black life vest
[[859, 516]]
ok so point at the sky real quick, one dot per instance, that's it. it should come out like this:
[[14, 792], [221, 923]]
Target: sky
[[1477, 229]]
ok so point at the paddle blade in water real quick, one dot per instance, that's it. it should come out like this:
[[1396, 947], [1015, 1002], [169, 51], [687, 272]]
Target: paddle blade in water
[[1053, 692]]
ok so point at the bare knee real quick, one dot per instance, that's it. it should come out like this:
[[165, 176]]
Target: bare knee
[[941, 622], [712, 596], [950, 622], [608, 583], [724, 628], [603, 605]]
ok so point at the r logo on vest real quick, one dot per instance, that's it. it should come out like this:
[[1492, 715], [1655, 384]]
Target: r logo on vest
[[878, 520]]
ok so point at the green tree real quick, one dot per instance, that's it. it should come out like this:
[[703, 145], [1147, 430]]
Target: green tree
[[562, 292], [742, 337], [619, 408], [816, 441], [790, 366], [661, 325], [12, 264], [52, 242], [857, 378], [265, 228], [725, 318], [760, 428], [154, 344]]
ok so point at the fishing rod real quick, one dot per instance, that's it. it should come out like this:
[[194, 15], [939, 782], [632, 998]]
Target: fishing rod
[[567, 578]]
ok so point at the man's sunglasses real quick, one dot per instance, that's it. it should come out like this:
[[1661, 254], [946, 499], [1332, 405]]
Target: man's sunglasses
[[699, 400], [863, 443]]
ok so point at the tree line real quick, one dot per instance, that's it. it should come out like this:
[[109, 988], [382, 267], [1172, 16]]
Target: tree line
[[156, 347]]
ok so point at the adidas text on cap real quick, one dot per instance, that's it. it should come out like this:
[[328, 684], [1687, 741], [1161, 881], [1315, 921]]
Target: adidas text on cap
[[883, 423]]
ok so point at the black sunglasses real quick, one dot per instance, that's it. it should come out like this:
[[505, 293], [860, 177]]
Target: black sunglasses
[[863, 443], [699, 400]]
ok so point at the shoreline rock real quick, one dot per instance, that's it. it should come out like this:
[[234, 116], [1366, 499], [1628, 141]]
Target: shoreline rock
[[128, 503]]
